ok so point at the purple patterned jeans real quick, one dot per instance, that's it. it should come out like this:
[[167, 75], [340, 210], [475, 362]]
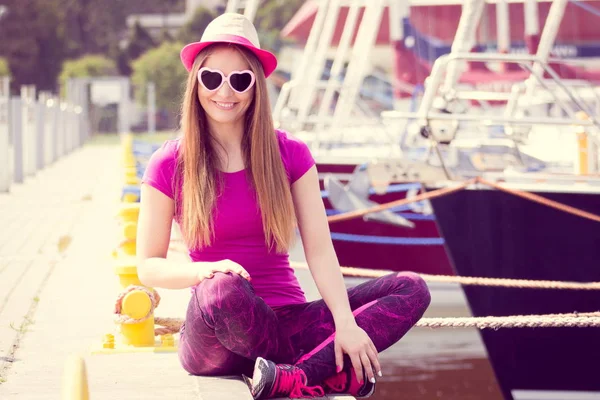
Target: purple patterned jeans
[[227, 326]]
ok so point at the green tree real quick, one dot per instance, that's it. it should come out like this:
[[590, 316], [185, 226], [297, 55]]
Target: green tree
[[87, 66], [37, 43], [43, 33], [271, 18], [4, 69], [163, 67], [93, 26], [165, 36], [193, 29], [140, 42], [152, 6]]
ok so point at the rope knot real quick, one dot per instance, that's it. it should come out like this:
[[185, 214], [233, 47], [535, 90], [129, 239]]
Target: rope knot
[[124, 319]]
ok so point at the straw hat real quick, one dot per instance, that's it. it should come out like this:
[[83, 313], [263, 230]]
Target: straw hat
[[230, 28]]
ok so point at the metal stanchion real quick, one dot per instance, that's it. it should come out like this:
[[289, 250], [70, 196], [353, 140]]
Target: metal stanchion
[[40, 131], [17, 139], [28, 133], [5, 175]]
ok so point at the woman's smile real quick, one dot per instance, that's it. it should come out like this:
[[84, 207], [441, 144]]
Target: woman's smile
[[224, 105]]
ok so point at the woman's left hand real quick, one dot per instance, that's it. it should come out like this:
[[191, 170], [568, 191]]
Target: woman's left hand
[[354, 341]]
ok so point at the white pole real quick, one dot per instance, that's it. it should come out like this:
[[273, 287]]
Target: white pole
[[532, 26], [70, 128], [340, 57], [532, 23], [232, 6], [4, 134], [40, 109], [250, 9], [555, 16], [73, 119], [17, 138], [85, 129], [24, 128], [464, 39], [502, 21], [31, 132], [47, 146], [361, 56], [27, 131], [308, 54], [398, 11], [547, 39], [318, 60], [55, 128], [61, 130], [49, 128]]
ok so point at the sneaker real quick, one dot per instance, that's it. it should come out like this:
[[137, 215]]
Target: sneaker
[[345, 382], [271, 380]]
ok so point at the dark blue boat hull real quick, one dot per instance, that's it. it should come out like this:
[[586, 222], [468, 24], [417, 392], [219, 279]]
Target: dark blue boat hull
[[493, 234]]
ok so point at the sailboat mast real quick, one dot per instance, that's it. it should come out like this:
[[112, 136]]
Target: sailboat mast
[[464, 40], [547, 39], [532, 26]]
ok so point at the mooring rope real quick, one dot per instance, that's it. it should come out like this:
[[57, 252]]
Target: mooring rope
[[386, 206], [463, 280], [449, 190], [541, 200], [516, 321], [574, 320], [469, 280]]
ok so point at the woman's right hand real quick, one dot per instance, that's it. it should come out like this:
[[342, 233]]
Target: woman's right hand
[[207, 270]]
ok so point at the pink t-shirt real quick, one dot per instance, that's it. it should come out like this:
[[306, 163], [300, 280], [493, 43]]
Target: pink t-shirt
[[239, 234]]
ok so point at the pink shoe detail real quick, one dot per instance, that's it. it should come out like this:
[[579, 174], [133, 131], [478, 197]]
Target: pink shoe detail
[[272, 380], [345, 382]]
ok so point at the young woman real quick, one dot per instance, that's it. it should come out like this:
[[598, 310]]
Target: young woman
[[238, 188]]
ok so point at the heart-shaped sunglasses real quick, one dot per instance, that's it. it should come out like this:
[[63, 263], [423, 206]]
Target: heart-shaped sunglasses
[[213, 79]]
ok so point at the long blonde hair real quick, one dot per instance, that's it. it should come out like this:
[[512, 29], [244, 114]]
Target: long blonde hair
[[198, 162]]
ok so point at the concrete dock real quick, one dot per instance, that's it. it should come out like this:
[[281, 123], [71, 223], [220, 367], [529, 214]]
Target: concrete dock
[[58, 290]]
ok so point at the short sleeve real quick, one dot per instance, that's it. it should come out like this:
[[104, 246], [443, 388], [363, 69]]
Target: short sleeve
[[296, 156], [160, 170]]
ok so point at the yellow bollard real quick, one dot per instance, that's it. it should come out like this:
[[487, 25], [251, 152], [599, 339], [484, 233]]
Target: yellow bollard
[[136, 304], [130, 198], [129, 212], [109, 341], [128, 161], [132, 179], [130, 230], [128, 215], [75, 384], [167, 340]]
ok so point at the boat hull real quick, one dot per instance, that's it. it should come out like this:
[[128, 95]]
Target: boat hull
[[374, 245], [493, 234]]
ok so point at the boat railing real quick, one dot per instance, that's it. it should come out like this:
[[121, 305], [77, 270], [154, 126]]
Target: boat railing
[[284, 115], [523, 94]]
